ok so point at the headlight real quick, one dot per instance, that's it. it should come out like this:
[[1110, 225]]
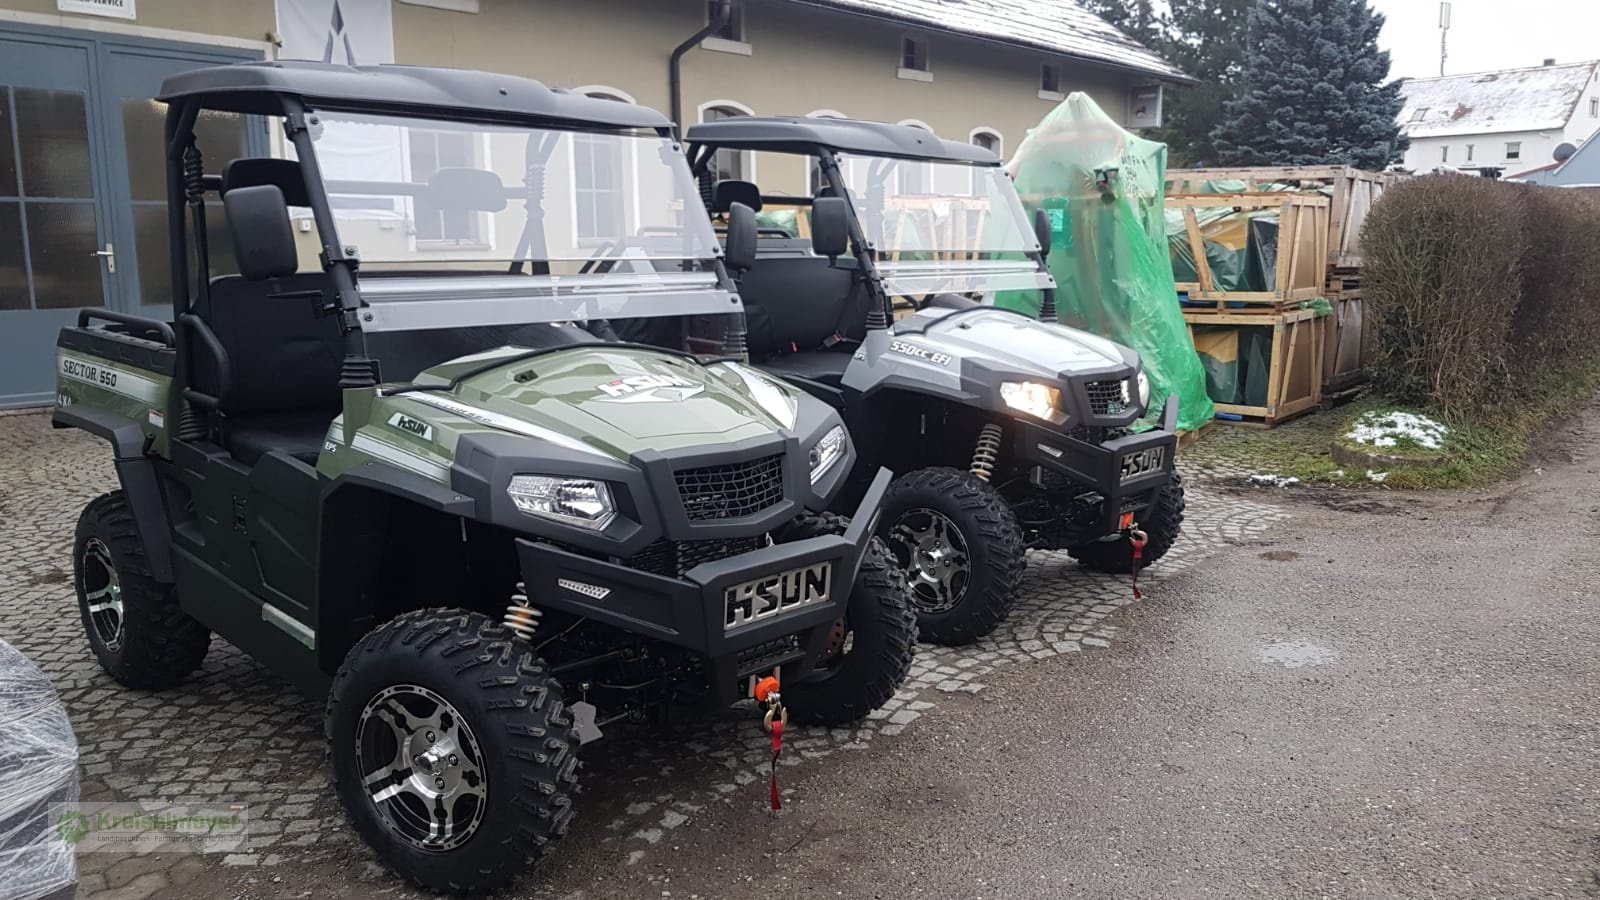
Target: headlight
[[1039, 400], [574, 501], [827, 452], [1140, 382]]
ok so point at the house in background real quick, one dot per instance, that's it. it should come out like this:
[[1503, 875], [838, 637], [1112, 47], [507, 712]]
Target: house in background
[[81, 182], [1505, 121], [1577, 167]]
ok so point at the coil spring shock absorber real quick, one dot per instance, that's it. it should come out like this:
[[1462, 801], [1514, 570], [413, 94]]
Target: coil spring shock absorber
[[521, 617], [987, 453]]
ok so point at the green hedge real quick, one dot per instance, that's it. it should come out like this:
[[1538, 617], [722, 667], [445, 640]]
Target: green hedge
[[1479, 291]]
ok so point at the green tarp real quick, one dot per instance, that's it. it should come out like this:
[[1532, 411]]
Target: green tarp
[[1104, 189]]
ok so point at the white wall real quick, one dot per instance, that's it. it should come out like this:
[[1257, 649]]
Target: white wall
[[1538, 147], [1487, 150]]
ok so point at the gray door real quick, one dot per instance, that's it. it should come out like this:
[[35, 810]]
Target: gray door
[[132, 75], [82, 187], [53, 209]]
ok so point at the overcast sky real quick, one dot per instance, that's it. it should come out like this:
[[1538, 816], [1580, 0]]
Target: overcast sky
[[1488, 34]]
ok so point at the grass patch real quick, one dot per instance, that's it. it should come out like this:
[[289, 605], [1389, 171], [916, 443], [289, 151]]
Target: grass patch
[[1479, 451]]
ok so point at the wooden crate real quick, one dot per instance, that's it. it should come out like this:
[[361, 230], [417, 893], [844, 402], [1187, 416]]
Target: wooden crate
[[1344, 356], [1294, 380], [1302, 247], [1354, 193]]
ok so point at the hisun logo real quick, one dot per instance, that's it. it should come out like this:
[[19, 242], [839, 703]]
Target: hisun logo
[[938, 359], [650, 389], [774, 595], [593, 591], [412, 426]]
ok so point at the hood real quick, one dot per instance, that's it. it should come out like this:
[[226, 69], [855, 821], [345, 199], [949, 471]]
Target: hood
[[1014, 341], [622, 400]]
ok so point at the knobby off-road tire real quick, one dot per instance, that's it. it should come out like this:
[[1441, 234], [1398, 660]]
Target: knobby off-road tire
[[445, 717], [961, 592], [133, 622], [1162, 522], [864, 671]]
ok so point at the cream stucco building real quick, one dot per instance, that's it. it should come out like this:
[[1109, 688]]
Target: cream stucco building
[[81, 184]]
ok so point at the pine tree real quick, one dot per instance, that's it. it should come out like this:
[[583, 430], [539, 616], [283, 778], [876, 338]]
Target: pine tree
[[1204, 39], [1135, 18], [1314, 90]]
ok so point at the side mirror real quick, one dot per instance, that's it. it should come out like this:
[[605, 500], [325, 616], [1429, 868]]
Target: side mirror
[[263, 241], [830, 226], [1042, 230], [739, 251]]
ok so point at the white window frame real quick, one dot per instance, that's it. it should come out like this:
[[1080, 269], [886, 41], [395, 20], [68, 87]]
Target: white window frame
[[810, 163], [901, 71], [747, 159], [616, 95], [738, 45], [1469, 153], [1594, 107], [486, 235], [901, 174], [1058, 94], [1515, 153]]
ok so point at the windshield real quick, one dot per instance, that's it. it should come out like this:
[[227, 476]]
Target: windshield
[[445, 195], [472, 236], [943, 227], [916, 206]]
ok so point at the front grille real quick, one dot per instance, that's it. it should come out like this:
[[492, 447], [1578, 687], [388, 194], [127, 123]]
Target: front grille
[[733, 490], [673, 558], [1105, 398], [1097, 434], [765, 655], [1134, 501]]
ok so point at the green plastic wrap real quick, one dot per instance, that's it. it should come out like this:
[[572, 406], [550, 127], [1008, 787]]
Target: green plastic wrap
[[1104, 189]]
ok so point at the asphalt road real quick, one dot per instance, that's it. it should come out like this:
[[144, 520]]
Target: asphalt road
[[1385, 696]]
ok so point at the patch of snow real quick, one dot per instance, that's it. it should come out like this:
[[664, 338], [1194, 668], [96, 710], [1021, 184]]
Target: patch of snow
[[1274, 480], [1385, 429], [1377, 476]]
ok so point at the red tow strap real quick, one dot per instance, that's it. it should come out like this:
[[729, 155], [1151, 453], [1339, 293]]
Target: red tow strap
[[1139, 539]]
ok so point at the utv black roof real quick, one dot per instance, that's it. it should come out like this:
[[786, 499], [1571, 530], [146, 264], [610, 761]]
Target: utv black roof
[[259, 87], [806, 135]]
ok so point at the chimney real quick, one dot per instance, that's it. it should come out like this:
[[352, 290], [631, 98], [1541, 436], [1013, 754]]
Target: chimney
[[1550, 60]]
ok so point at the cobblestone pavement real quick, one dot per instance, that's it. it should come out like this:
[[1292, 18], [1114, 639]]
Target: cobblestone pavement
[[234, 733]]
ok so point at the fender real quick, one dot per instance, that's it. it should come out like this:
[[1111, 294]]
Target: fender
[[137, 472]]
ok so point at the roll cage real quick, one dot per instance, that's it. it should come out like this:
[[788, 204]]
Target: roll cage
[[826, 140], [296, 92]]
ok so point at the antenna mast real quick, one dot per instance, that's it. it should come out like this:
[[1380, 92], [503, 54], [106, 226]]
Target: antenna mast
[[1444, 33]]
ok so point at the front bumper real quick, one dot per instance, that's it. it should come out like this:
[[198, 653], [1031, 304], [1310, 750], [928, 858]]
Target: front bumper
[[692, 611], [1099, 466]]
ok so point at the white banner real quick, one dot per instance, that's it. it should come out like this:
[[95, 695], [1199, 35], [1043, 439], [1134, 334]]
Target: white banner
[[116, 9], [348, 32]]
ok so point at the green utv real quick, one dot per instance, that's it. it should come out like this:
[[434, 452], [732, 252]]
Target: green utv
[[1008, 433], [419, 475]]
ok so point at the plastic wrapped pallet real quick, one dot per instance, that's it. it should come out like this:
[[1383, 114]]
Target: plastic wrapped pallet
[[1103, 187], [38, 770]]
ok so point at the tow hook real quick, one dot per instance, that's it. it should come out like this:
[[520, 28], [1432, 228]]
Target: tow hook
[[1138, 538], [766, 693]]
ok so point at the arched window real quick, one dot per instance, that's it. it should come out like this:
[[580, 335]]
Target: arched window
[[990, 140], [914, 177], [728, 165], [813, 170]]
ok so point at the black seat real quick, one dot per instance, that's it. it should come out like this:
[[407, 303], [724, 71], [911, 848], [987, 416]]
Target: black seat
[[797, 302], [283, 363], [822, 366]]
